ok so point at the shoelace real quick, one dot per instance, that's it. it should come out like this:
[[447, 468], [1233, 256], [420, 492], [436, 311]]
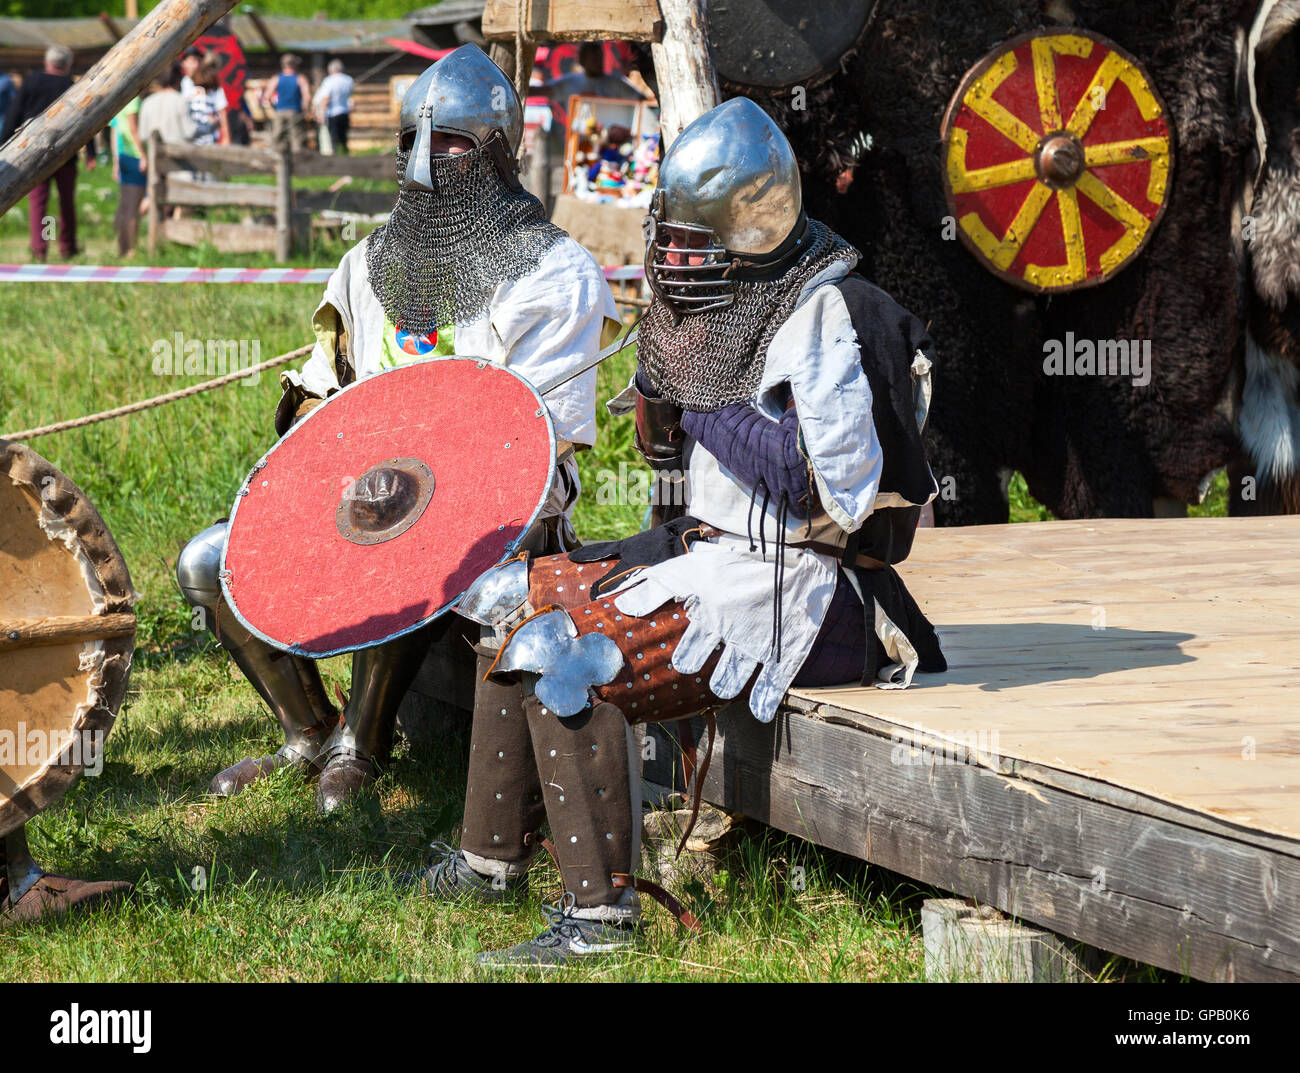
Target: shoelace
[[440, 861], [562, 924]]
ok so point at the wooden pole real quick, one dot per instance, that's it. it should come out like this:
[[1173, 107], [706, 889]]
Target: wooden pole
[[45, 144], [688, 84], [154, 191], [503, 55], [263, 31], [284, 203]]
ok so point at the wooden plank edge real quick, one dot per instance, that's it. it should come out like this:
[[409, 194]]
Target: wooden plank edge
[[1114, 794]]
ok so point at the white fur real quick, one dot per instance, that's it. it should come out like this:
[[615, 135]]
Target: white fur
[[1270, 413]]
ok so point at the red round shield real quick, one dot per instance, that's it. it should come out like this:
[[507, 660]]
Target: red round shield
[[1057, 159], [374, 514]]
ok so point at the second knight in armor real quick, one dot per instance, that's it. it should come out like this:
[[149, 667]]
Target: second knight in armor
[[466, 264], [793, 393]]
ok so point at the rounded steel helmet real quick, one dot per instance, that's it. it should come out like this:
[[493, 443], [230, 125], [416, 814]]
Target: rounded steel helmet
[[729, 188], [464, 93]]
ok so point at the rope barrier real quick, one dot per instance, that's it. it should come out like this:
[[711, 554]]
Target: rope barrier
[[159, 400], [10, 273]]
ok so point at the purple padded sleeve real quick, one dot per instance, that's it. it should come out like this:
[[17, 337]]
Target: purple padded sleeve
[[753, 447]]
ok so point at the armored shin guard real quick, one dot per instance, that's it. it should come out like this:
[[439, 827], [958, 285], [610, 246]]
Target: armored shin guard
[[290, 685], [503, 798], [360, 747], [590, 774]]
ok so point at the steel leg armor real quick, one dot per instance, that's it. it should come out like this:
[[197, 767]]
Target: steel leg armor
[[359, 748], [290, 685]]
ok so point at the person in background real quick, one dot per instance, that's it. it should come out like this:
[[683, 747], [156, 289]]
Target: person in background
[[590, 80], [190, 60], [38, 91], [208, 107], [289, 93], [333, 105], [129, 162], [7, 91], [166, 111]]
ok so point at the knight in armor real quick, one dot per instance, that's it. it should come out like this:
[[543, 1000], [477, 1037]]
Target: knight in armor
[[466, 264], [792, 394]]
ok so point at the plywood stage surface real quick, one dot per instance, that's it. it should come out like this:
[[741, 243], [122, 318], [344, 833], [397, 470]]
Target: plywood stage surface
[[1160, 656]]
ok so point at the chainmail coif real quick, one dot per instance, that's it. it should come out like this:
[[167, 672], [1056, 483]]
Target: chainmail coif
[[713, 359], [442, 254]]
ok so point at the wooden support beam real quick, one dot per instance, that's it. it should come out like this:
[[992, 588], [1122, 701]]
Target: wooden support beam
[[574, 20], [44, 145], [110, 24], [263, 30], [688, 84], [155, 185], [192, 192]]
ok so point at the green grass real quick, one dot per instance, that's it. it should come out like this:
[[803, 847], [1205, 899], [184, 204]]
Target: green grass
[[288, 894]]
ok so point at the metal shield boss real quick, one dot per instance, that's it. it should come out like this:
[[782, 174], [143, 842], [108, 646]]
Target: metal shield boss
[[378, 510], [1057, 154], [67, 632]]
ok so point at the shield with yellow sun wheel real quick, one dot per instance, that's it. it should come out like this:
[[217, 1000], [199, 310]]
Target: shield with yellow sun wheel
[[1057, 160]]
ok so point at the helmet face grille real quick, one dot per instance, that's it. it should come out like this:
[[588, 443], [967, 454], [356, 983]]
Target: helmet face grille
[[686, 266]]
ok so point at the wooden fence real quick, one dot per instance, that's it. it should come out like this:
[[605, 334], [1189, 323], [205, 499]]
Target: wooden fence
[[174, 178]]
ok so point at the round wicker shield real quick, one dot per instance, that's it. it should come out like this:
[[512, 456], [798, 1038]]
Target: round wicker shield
[[67, 632], [377, 510], [1057, 159]]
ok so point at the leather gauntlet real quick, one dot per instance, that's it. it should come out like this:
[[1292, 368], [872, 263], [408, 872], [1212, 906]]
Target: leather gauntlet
[[659, 435]]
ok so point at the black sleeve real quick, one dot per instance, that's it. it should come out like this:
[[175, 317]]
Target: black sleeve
[[17, 110]]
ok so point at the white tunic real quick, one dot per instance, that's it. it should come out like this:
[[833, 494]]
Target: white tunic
[[540, 325], [727, 589]]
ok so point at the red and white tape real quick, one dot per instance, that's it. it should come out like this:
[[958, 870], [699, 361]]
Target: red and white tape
[[139, 274]]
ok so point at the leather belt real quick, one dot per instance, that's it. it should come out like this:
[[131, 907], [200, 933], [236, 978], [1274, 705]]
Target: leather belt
[[831, 550]]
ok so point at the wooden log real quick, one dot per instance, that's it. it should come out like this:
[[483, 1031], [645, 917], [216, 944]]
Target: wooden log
[[574, 20], [230, 160], [62, 630], [45, 144], [225, 159], [688, 84], [966, 943], [284, 206], [503, 55], [357, 167], [228, 238], [359, 201], [192, 192]]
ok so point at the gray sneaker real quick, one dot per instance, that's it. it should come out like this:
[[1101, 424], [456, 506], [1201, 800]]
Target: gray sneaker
[[566, 938], [447, 876]]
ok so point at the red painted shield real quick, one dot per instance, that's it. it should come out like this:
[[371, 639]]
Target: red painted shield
[[373, 515]]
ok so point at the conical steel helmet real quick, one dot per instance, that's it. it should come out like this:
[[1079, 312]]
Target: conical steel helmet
[[464, 93]]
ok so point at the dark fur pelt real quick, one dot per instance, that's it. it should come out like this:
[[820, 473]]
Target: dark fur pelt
[[1088, 446]]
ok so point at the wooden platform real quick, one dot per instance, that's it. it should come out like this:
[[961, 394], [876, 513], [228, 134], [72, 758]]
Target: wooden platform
[[1113, 754]]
